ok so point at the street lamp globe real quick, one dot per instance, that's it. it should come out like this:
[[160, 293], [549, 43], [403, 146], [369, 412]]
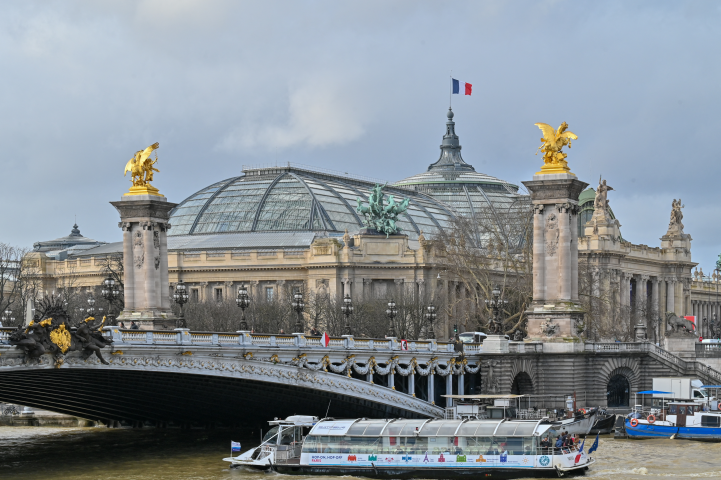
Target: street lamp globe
[[180, 296], [347, 309], [298, 306], [243, 301]]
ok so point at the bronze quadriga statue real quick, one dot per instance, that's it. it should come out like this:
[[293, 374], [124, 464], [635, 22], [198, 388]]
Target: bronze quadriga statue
[[52, 333]]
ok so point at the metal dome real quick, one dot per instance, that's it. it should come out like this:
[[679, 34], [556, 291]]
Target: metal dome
[[293, 198]]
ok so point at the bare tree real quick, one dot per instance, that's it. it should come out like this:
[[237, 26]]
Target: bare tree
[[492, 247], [11, 269]]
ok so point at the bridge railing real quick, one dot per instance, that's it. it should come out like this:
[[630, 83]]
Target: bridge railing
[[184, 337], [708, 350]]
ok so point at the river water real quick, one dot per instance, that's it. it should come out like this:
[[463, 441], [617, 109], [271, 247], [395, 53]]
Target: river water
[[30, 453]]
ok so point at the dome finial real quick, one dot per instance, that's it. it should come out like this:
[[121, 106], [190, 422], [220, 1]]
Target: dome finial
[[75, 231], [450, 113]]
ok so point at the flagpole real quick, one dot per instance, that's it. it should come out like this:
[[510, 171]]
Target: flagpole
[[450, 90]]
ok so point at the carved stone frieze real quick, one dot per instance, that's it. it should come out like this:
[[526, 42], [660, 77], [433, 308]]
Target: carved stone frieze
[[552, 234]]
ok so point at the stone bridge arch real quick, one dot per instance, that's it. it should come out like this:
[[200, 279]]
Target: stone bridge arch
[[523, 377], [616, 374]]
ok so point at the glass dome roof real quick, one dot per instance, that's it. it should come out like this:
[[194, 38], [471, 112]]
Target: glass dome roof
[[292, 198]]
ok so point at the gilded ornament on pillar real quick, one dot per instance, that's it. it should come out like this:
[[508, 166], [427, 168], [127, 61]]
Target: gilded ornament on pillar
[[141, 168], [553, 141]]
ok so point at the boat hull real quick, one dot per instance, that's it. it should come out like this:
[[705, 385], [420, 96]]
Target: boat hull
[[577, 427], [411, 472], [603, 425], [646, 430]]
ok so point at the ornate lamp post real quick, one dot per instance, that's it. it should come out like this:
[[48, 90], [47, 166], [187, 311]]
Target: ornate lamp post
[[298, 306], [392, 312], [7, 316], [347, 309], [180, 296], [91, 305], [495, 304], [431, 316], [110, 292], [243, 301]]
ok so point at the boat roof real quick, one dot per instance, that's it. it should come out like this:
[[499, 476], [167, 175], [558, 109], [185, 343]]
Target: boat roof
[[654, 392], [302, 420], [430, 428], [710, 386]]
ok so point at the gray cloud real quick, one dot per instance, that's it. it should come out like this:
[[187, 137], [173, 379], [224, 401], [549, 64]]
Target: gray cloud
[[359, 87]]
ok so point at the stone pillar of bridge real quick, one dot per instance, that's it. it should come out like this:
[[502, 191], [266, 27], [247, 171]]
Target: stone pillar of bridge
[[144, 220], [461, 383], [449, 387], [431, 387], [392, 379], [412, 382], [555, 309]]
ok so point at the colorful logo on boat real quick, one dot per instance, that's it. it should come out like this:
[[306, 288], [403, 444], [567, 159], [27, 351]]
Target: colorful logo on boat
[[441, 459], [504, 457], [460, 458], [480, 459], [372, 458], [544, 461], [352, 458], [425, 460], [407, 458]]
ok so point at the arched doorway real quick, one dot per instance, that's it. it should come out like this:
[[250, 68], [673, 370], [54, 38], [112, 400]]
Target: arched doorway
[[522, 384], [618, 391]]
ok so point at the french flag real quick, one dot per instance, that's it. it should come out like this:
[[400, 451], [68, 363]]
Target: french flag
[[459, 87]]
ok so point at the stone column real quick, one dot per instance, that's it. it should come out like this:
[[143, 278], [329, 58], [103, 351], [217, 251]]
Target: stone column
[[555, 252], [367, 285], [392, 379], [461, 384], [347, 282], [164, 276], [412, 383], [671, 298], [538, 252], [449, 389], [128, 267], [431, 391], [282, 290], [203, 291], [145, 260], [564, 251], [654, 298]]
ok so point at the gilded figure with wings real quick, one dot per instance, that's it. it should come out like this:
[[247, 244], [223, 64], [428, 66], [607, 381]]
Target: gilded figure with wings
[[554, 160], [141, 166]]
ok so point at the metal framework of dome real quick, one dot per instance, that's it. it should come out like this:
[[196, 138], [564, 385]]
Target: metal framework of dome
[[292, 198]]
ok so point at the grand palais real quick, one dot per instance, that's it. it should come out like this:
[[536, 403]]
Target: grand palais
[[283, 228]]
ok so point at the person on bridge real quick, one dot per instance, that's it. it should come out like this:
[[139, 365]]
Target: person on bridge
[[134, 326], [122, 326]]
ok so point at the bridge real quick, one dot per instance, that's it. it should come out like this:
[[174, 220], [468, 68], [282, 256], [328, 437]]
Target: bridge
[[184, 378]]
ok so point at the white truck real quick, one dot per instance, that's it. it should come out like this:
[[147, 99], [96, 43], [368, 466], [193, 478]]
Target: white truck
[[686, 388]]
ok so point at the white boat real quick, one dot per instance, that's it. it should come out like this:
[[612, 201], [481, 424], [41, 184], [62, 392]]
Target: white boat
[[440, 448], [283, 440], [579, 425]]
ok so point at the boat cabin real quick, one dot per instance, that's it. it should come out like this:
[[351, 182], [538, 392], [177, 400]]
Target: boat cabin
[[692, 414]]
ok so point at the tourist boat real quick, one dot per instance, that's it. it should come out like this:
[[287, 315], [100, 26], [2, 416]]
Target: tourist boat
[[282, 441], [438, 448]]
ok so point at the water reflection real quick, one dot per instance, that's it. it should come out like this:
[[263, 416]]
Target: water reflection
[[108, 454]]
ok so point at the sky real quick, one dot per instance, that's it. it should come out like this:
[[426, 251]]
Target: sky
[[358, 87]]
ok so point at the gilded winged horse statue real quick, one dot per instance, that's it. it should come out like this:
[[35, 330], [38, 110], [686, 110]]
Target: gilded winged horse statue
[[141, 166], [554, 160]]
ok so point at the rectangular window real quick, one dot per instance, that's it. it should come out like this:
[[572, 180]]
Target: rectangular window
[[218, 294], [710, 421], [194, 294], [269, 294]]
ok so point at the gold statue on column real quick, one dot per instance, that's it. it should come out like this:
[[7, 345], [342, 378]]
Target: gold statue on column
[[554, 160], [141, 168]]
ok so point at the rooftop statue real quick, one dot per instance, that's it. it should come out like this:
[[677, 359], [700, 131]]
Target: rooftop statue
[[554, 160], [141, 168], [378, 216], [675, 226], [600, 202]]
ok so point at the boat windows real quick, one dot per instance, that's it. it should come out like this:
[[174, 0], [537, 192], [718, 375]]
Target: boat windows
[[682, 409], [449, 428], [430, 428], [410, 427], [672, 410], [270, 434], [710, 421], [486, 429], [375, 428], [290, 435]]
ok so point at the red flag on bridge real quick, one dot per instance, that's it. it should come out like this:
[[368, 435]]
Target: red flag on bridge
[[325, 339]]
